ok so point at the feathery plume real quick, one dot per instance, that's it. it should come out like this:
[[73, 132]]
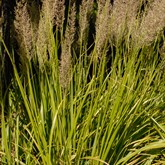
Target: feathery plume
[[59, 14], [24, 32], [152, 23], [53, 10], [52, 13], [85, 11], [42, 43], [102, 24], [65, 64], [123, 16]]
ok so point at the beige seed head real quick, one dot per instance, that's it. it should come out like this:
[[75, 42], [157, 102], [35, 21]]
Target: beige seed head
[[24, 31], [123, 16], [102, 25], [52, 13], [85, 11], [66, 56], [152, 23]]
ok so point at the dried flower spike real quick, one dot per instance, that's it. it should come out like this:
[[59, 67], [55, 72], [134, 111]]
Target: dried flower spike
[[65, 64]]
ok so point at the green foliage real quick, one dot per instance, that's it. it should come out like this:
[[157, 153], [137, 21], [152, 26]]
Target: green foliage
[[110, 112], [114, 118]]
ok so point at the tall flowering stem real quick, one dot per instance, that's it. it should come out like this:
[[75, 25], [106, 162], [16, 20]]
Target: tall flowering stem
[[66, 55]]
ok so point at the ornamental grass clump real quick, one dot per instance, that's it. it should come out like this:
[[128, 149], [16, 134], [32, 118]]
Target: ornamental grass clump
[[93, 97], [119, 120]]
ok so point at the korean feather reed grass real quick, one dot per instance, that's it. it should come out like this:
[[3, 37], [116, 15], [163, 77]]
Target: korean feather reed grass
[[118, 120], [99, 103]]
